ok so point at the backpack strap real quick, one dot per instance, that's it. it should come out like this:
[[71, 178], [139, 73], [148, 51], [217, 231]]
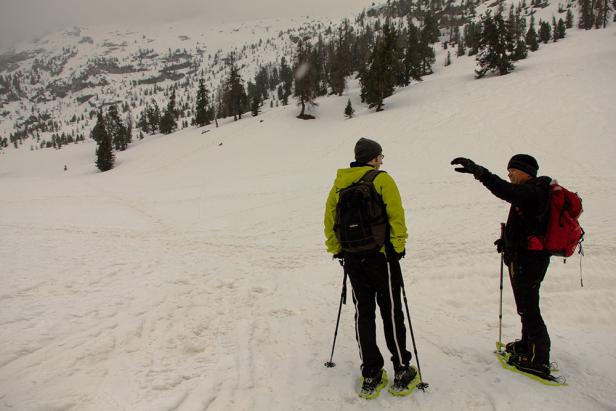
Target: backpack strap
[[371, 175]]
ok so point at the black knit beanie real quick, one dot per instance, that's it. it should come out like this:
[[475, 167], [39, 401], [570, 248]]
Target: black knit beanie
[[366, 150], [524, 162]]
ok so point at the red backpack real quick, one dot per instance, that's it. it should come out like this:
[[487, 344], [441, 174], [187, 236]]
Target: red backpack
[[563, 229]]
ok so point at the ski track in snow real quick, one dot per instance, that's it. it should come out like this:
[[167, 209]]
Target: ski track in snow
[[196, 279]]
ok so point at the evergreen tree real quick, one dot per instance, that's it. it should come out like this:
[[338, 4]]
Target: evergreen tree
[[520, 52], [586, 18], [412, 60], [317, 65], [202, 114], [286, 76], [116, 129], [153, 115], [430, 31], [555, 29], [104, 151], [561, 29], [392, 45], [142, 122], [305, 91], [426, 52], [255, 104], [461, 49], [472, 37], [569, 19], [235, 97], [531, 36], [378, 81], [129, 127], [496, 48], [262, 84], [545, 32], [349, 111], [337, 75], [340, 59], [168, 122]]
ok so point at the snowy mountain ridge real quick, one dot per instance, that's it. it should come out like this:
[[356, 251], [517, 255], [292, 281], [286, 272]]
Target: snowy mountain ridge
[[67, 76]]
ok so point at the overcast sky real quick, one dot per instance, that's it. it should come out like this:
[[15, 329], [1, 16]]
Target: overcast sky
[[25, 19]]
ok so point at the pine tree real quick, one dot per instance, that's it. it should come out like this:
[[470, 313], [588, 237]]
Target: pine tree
[[430, 31], [555, 29], [496, 48], [202, 114], [168, 122], [561, 29], [255, 104], [586, 18], [472, 37], [461, 49], [116, 129], [305, 91], [340, 58], [104, 151], [286, 76], [412, 60], [234, 96], [428, 35], [545, 32], [531, 36], [520, 52], [349, 111], [569, 19], [129, 127], [153, 115], [378, 82]]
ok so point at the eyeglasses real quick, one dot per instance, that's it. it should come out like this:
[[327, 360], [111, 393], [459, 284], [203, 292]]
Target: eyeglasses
[[381, 156]]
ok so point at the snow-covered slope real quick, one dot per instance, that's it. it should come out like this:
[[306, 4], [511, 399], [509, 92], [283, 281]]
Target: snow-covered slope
[[193, 276]]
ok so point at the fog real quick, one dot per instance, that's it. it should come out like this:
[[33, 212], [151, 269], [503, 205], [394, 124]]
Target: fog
[[26, 19]]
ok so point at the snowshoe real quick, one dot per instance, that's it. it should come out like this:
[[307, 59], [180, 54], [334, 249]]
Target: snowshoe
[[521, 366], [371, 386], [405, 382]]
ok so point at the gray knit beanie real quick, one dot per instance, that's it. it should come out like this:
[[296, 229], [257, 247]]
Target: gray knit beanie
[[366, 150]]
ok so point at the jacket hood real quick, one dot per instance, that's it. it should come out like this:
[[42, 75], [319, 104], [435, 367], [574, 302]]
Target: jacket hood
[[347, 176]]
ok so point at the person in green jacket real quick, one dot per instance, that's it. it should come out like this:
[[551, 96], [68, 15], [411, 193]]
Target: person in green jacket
[[375, 276]]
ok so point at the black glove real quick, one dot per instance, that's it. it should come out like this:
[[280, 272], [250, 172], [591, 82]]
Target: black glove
[[339, 256], [500, 245], [395, 256], [468, 166]]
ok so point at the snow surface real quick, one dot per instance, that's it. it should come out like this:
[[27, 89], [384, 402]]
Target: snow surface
[[193, 276]]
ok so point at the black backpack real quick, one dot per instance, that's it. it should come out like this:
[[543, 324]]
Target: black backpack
[[361, 224]]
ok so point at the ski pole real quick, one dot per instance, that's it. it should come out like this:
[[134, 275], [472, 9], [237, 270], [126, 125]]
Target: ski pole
[[330, 363], [422, 385], [500, 313]]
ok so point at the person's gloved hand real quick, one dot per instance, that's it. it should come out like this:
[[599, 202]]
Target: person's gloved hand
[[500, 245], [468, 166], [393, 255], [339, 256]]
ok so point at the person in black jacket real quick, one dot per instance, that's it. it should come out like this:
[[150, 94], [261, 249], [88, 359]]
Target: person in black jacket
[[529, 198]]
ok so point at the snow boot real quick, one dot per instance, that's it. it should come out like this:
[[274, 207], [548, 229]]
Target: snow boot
[[371, 386], [517, 347], [405, 381], [523, 363]]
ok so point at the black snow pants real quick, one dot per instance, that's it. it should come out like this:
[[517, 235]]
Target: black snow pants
[[374, 281], [526, 272]]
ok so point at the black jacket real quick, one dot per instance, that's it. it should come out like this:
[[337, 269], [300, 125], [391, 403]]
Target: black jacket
[[528, 213]]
